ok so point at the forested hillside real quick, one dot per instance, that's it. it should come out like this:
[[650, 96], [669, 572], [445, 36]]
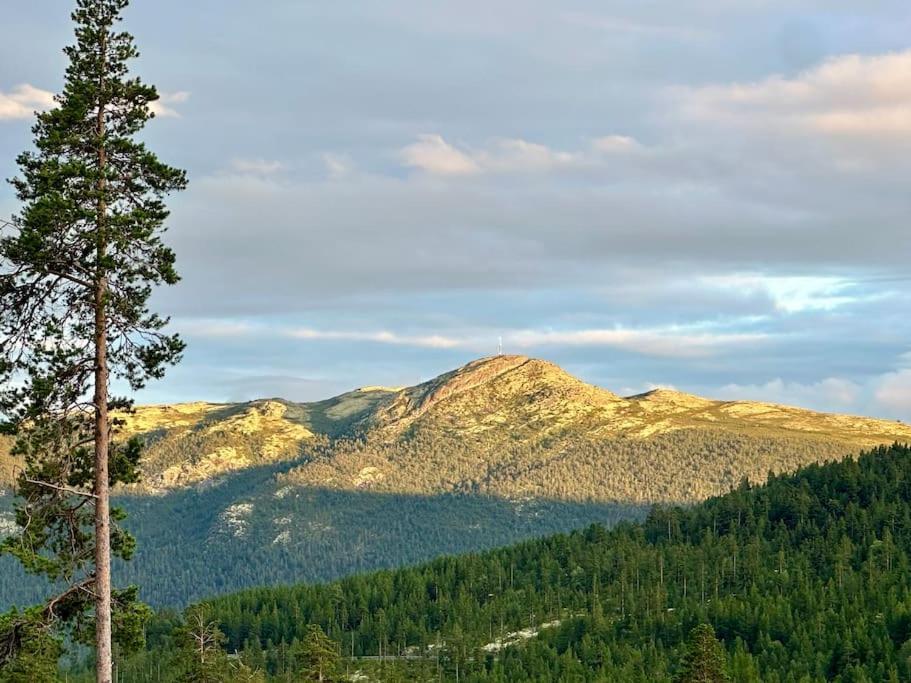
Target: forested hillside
[[250, 531], [806, 578]]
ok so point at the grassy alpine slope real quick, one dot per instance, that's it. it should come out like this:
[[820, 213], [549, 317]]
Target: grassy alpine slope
[[806, 578]]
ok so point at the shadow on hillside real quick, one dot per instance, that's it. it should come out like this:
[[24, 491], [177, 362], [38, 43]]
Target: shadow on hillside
[[248, 531]]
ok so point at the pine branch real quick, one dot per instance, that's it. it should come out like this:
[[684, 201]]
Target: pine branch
[[82, 586], [65, 489], [71, 278]]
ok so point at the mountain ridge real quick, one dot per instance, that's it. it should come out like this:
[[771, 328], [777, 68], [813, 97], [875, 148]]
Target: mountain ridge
[[402, 405], [491, 419]]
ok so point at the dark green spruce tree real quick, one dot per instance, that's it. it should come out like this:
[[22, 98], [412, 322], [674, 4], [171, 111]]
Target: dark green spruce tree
[[77, 267]]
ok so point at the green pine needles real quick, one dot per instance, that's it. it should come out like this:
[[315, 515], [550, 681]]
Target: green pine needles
[[77, 269]]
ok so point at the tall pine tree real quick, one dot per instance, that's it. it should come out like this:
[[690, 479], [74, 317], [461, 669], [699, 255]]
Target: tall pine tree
[[77, 267]]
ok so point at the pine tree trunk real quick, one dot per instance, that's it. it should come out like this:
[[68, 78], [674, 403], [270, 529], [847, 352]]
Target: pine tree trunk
[[103, 650], [102, 503]]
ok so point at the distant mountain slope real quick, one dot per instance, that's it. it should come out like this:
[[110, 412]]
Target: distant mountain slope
[[506, 425], [519, 427], [537, 399]]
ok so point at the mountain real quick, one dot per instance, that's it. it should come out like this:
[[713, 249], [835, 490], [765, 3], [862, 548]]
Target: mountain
[[805, 578], [502, 449], [507, 425], [518, 427]]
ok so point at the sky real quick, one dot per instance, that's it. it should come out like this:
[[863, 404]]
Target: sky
[[711, 196]]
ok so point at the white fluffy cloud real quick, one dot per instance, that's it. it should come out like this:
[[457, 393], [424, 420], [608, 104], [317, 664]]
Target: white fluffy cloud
[[894, 391], [164, 107], [833, 393], [888, 394], [850, 96], [432, 154], [23, 101]]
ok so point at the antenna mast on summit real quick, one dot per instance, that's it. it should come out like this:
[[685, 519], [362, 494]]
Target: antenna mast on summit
[[500, 347]]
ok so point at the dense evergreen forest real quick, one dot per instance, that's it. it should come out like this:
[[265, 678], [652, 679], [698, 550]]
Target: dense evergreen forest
[[265, 525], [804, 579], [680, 466], [247, 530]]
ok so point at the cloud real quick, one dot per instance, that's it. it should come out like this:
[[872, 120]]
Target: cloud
[[212, 328], [848, 96], [661, 342], [23, 101], [381, 337], [434, 155], [831, 393], [520, 155], [790, 294], [615, 143], [431, 153], [658, 342], [338, 166], [636, 28], [163, 108], [256, 166], [885, 395], [606, 226], [625, 168], [893, 391]]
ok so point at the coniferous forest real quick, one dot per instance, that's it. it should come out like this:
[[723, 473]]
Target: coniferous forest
[[263, 526], [806, 578]]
